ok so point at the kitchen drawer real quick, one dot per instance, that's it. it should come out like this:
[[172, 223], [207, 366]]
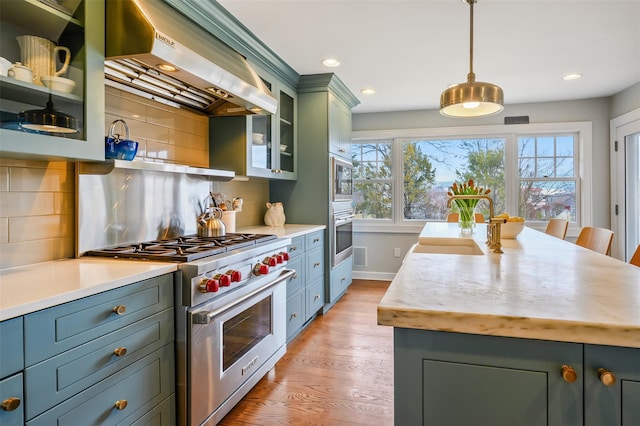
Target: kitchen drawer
[[315, 264], [11, 387], [162, 415], [297, 247], [314, 240], [296, 283], [60, 328], [315, 296], [143, 385], [341, 278], [295, 313], [58, 378], [11, 347]]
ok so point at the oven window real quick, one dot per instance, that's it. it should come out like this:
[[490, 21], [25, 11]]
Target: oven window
[[343, 237], [244, 331]]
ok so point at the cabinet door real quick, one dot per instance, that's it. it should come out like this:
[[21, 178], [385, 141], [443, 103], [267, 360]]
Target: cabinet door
[[340, 279], [296, 248], [11, 395], [295, 314], [463, 379], [48, 24], [296, 283], [339, 128], [11, 347], [315, 297], [617, 403], [314, 264]]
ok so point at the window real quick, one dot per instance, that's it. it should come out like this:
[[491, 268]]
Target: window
[[402, 176], [546, 167]]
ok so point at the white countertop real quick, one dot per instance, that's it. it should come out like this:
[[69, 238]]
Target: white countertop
[[33, 287], [541, 287], [286, 231]]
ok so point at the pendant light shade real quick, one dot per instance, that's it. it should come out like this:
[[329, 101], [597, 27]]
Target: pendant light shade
[[471, 99], [48, 120]]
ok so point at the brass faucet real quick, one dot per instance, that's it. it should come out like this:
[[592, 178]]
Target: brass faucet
[[493, 227]]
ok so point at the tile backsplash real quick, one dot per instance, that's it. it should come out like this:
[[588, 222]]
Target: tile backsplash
[[37, 198]]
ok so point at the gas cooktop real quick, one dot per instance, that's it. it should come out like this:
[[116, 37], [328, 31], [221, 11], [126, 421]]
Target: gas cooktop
[[182, 249]]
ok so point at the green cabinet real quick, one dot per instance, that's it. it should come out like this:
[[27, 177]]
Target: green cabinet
[[11, 377], [508, 381], [305, 292], [339, 127], [258, 145], [103, 359], [78, 26]]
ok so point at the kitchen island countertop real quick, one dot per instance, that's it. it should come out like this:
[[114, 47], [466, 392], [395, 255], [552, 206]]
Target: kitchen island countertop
[[541, 287], [39, 286]]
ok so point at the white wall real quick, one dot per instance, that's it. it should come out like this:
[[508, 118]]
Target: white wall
[[380, 259]]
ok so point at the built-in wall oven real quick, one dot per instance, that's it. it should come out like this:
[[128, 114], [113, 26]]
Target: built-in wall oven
[[341, 210], [341, 180]]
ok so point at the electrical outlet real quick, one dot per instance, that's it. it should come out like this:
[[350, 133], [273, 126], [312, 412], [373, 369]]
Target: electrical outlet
[[396, 252]]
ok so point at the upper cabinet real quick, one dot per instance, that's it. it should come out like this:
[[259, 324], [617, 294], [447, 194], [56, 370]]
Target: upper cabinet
[[51, 79], [258, 145], [340, 127]]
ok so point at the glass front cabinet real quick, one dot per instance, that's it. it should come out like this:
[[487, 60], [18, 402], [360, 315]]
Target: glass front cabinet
[[51, 79], [258, 145]]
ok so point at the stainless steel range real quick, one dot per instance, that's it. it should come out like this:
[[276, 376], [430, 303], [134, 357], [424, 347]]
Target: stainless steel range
[[230, 293]]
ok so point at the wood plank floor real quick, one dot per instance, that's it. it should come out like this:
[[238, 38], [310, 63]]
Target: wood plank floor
[[338, 371]]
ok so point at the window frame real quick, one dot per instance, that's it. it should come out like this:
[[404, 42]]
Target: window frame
[[583, 165]]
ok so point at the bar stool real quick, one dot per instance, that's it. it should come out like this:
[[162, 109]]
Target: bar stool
[[596, 239], [453, 217], [557, 228], [635, 259]]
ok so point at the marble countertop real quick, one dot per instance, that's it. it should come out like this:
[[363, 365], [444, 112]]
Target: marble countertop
[[30, 288], [541, 287], [286, 231]]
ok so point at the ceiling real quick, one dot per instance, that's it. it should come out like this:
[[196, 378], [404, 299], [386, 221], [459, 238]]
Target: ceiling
[[410, 51]]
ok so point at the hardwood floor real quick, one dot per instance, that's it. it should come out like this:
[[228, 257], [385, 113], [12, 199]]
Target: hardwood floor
[[338, 371]]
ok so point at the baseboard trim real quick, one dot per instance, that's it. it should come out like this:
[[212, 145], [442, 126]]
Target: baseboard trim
[[380, 276]]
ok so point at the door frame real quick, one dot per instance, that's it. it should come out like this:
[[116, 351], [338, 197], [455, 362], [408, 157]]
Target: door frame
[[617, 128]]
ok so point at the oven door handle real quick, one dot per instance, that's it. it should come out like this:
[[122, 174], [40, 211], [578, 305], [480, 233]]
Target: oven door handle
[[207, 317], [344, 219]]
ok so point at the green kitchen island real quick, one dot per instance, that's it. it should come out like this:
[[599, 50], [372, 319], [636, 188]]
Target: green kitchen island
[[547, 333]]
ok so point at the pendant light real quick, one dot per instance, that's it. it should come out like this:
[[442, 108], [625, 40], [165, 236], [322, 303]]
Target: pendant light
[[473, 98], [48, 120]]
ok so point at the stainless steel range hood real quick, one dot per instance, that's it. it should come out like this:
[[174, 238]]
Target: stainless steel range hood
[[155, 50]]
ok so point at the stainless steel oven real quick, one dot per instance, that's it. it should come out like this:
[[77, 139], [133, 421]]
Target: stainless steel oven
[[232, 346], [341, 180], [342, 232]]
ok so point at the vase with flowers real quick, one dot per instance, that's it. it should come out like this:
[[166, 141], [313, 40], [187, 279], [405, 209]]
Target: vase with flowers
[[466, 207]]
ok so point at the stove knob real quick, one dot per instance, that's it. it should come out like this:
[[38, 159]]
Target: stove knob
[[279, 258], [209, 285], [225, 280], [261, 269], [273, 261], [236, 276], [285, 255]]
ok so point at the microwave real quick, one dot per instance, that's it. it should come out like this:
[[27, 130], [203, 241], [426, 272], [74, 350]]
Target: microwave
[[341, 179]]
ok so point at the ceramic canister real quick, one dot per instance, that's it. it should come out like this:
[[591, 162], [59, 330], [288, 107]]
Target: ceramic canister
[[40, 54]]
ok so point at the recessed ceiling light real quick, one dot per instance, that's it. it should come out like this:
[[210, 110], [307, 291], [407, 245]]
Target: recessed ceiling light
[[330, 62], [573, 76], [368, 91]]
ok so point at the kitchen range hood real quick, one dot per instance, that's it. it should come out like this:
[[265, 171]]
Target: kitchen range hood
[[159, 53]]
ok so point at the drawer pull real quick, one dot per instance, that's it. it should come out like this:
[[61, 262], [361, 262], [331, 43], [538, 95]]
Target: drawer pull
[[120, 309], [10, 404], [316, 297], [315, 240], [316, 264], [294, 315], [606, 377], [120, 404], [120, 351], [568, 374]]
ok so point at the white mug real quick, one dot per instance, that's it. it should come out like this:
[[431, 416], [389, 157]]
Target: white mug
[[20, 72], [5, 64]]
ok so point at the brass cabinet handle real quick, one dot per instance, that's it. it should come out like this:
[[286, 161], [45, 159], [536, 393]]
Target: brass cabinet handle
[[568, 373], [120, 309], [120, 351], [120, 404], [606, 377], [10, 404]]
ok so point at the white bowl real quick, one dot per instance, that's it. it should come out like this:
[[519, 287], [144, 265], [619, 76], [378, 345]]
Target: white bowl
[[510, 230], [59, 84]]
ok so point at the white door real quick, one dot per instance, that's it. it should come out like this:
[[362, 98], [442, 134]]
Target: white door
[[625, 181]]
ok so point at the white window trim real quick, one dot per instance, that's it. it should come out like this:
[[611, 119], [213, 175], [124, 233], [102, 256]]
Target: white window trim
[[585, 164]]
